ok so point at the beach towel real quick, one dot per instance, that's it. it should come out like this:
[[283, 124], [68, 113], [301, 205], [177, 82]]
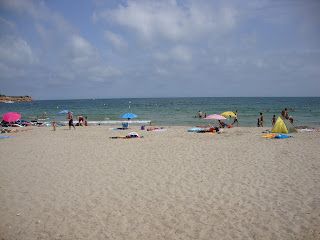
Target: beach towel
[[269, 136], [117, 128], [307, 130], [194, 129], [5, 137], [281, 136]]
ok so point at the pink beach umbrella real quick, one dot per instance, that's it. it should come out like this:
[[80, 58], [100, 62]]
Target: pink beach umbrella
[[215, 117], [11, 116]]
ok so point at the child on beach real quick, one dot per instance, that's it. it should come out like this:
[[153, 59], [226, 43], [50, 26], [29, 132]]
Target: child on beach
[[54, 124], [86, 122], [258, 123]]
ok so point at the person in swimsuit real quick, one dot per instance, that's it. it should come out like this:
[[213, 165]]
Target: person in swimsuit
[[284, 112], [70, 119], [273, 120], [236, 119], [261, 119], [222, 124], [80, 118], [54, 124]]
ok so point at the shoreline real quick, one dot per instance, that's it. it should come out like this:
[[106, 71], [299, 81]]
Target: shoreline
[[82, 184]]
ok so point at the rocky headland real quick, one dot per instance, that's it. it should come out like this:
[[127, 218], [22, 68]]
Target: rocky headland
[[4, 98]]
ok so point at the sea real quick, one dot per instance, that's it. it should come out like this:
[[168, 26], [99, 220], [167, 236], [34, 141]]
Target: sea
[[170, 111]]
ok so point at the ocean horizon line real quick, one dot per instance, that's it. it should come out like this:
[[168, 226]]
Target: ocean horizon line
[[169, 98]]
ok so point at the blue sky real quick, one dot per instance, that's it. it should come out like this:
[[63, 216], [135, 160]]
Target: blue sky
[[163, 48]]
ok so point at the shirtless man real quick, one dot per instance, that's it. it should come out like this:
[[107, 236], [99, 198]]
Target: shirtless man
[[284, 112], [70, 119], [200, 114]]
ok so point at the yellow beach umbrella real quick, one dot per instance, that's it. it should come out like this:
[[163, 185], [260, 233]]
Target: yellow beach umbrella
[[228, 114]]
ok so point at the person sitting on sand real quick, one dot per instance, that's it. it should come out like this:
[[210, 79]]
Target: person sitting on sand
[[222, 124], [290, 119]]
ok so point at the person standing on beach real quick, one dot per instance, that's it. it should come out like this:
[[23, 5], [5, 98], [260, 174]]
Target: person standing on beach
[[236, 119], [70, 119], [54, 124], [273, 120], [261, 119], [200, 114]]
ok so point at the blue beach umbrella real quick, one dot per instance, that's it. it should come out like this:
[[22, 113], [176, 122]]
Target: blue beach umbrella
[[129, 115], [64, 112]]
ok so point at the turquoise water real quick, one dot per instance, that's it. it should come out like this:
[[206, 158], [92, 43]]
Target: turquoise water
[[171, 111]]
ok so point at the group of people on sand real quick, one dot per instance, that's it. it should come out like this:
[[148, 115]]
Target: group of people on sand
[[273, 120], [221, 124], [81, 122]]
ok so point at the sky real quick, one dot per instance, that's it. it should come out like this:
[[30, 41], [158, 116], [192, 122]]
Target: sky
[[81, 49]]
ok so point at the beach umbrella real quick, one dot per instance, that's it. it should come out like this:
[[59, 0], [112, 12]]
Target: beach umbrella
[[64, 112], [215, 117], [129, 115], [228, 114], [11, 116]]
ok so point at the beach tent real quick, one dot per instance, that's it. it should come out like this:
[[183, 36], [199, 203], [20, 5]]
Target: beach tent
[[282, 125]]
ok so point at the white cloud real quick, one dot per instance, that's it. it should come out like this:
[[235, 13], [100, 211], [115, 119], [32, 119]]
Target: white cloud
[[65, 54], [16, 57], [176, 54], [85, 62], [167, 20], [16, 52], [116, 40]]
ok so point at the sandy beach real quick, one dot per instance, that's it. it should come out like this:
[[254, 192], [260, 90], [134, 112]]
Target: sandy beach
[[175, 184]]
